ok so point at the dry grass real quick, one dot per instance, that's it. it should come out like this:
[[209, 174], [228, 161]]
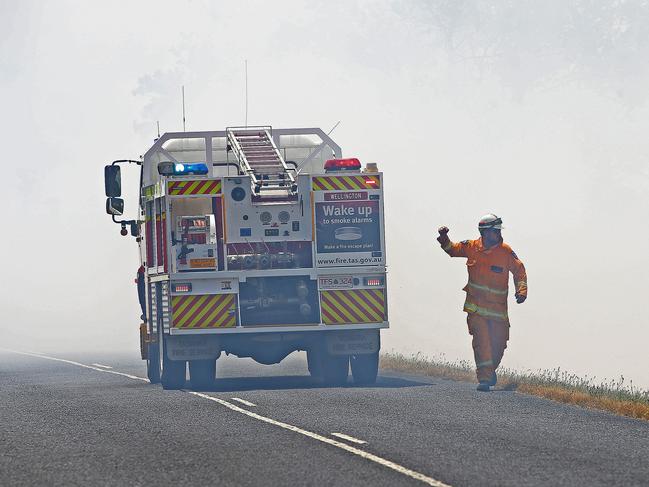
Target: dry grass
[[557, 385]]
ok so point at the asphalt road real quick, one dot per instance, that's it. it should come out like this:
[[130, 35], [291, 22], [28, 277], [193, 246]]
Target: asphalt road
[[65, 424]]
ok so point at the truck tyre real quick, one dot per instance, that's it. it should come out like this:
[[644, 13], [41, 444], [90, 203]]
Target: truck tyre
[[314, 363], [335, 369], [153, 364], [365, 368], [202, 373], [173, 371], [173, 374]]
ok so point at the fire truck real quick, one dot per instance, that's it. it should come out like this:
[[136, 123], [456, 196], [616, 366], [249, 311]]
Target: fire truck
[[256, 242]]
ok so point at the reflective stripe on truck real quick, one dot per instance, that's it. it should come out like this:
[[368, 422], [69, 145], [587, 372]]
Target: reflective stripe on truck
[[204, 311], [345, 183], [189, 187], [353, 306]]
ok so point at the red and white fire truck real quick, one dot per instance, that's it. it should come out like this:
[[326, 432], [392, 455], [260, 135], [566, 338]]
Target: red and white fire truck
[[257, 242]]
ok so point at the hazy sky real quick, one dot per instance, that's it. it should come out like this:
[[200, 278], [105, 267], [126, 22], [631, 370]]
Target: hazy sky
[[535, 110]]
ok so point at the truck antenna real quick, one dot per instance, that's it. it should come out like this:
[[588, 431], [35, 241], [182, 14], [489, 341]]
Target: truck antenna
[[183, 92], [334, 127], [246, 64], [158, 123]]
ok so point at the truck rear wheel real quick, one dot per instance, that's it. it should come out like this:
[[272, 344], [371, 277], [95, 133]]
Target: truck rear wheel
[[314, 363], [335, 369], [173, 374], [173, 371], [202, 373], [365, 368], [153, 364]]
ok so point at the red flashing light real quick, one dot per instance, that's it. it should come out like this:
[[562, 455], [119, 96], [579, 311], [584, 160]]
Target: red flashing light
[[351, 164], [182, 288], [373, 281], [371, 182]]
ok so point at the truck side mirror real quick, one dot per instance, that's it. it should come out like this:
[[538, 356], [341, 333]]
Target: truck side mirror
[[115, 206], [113, 181]]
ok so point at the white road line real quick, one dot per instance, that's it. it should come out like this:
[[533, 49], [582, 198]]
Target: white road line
[[343, 446], [243, 401], [71, 362], [349, 438], [103, 366]]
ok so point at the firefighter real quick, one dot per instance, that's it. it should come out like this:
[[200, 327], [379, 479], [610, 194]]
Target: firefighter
[[489, 262]]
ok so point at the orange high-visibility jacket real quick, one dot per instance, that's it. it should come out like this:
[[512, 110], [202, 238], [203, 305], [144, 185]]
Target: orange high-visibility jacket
[[486, 291]]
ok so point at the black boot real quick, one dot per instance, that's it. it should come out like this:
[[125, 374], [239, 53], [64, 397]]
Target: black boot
[[484, 386]]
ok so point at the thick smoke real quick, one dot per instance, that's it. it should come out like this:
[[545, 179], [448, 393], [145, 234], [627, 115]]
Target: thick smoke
[[534, 110]]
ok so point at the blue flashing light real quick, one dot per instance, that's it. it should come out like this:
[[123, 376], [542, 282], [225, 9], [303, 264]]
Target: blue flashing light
[[196, 168], [168, 168]]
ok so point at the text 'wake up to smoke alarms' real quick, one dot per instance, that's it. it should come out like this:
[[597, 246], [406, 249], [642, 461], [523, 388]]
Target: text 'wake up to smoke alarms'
[[347, 214]]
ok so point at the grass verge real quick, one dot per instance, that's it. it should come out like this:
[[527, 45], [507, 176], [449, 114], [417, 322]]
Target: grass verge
[[615, 396]]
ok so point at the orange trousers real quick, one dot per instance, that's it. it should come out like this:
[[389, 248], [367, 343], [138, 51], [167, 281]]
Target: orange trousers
[[489, 343]]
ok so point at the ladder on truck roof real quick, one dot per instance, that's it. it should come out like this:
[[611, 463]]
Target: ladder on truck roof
[[259, 157]]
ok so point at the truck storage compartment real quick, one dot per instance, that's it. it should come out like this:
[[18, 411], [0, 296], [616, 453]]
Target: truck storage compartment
[[196, 229], [279, 301]]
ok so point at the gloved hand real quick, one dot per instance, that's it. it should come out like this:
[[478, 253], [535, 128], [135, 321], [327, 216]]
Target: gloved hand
[[443, 235], [520, 298]]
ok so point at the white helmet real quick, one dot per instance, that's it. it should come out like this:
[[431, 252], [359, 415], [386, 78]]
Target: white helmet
[[490, 221]]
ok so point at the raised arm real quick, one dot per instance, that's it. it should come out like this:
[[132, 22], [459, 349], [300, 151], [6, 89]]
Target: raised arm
[[451, 248]]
